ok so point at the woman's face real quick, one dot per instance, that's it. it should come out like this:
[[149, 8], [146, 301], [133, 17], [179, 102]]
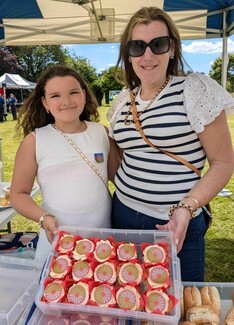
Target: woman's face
[[151, 68], [64, 98]]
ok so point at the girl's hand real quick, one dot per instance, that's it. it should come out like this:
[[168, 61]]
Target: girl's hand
[[50, 225], [178, 223]]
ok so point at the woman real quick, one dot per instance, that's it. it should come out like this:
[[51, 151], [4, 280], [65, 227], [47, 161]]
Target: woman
[[185, 116], [68, 152]]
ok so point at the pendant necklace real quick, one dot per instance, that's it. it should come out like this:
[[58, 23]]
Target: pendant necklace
[[127, 121]]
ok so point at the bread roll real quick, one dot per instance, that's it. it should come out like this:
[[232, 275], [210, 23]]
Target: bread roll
[[202, 315], [182, 315], [230, 314], [228, 322], [192, 297], [210, 296]]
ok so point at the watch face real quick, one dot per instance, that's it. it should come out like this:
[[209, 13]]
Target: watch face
[[41, 221]]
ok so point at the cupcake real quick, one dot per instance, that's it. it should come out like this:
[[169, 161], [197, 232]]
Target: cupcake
[[126, 252], [104, 251], [83, 248], [54, 291], [78, 293], [105, 272], [81, 270], [66, 244], [156, 302], [102, 295], [158, 276], [60, 267], [154, 254], [128, 298], [130, 273]]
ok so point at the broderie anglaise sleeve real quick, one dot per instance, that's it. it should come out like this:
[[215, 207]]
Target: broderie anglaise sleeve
[[116, 109], [204, 100]]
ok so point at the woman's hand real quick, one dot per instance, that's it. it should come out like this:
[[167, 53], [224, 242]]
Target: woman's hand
[[178, 223], [50, 225]]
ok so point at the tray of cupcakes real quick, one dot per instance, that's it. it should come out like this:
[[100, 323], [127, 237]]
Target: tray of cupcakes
[[124, 274]]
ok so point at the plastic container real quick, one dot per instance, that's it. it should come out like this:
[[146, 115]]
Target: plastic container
[[225, 291], [18, 286], [38, 318], [138, 237]]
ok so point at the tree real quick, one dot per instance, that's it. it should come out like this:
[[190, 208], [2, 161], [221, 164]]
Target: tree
[[87, 72], [36, 59], [216, 71], [9, 62], [108, 82]]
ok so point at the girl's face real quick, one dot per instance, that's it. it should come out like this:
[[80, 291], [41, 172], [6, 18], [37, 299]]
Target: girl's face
[[64, 98], [151, 68]]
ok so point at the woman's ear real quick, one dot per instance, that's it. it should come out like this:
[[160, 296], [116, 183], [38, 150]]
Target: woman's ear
[[172, 50]]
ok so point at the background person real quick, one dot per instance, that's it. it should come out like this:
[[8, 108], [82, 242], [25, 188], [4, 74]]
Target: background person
[[2, 107], [185, 115], [62, 106], [12, 106]]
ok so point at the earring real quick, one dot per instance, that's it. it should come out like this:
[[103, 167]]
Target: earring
[[171, 57], [130, 59], [48, 111]]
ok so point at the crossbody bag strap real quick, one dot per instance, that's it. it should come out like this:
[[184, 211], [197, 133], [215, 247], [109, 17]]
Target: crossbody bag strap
[[139, 129], [82, 155]]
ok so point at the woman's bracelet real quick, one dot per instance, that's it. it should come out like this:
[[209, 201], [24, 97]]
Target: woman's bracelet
[[42, 218], [183, 206], [193, 199]]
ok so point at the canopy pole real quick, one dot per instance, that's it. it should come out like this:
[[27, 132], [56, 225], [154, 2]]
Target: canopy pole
[[225, 53]]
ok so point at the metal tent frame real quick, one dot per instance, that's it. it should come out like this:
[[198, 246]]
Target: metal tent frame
[[44, 22]]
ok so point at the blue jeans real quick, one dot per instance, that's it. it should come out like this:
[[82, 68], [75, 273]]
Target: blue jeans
[[192, 255]]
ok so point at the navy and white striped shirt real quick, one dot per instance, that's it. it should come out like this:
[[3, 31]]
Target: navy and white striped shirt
[[148, 180]]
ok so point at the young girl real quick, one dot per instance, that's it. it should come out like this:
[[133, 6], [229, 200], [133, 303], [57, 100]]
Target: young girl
[[68, 152]]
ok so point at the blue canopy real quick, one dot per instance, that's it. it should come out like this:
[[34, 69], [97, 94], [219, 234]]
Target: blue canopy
[[44, 22], [34, 22]]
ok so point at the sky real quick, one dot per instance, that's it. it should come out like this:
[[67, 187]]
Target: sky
[[199, 54]]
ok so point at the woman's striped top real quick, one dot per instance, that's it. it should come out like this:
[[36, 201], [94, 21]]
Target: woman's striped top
[[149, 181]]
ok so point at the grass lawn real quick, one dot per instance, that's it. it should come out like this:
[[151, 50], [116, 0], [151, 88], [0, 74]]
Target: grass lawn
[[219, 238]]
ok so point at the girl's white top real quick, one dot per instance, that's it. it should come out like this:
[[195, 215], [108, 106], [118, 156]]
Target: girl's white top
[[70, 188]]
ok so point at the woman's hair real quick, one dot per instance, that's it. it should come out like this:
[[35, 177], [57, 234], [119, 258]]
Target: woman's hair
[[33, 115], [147, 15]]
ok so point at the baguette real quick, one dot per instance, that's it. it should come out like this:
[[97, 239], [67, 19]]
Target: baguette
[[202, 315], [210, 296], [192, 297]]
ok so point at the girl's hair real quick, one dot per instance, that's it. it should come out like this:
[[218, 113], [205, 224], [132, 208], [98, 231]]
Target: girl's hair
[[33, 115], [147, 15]]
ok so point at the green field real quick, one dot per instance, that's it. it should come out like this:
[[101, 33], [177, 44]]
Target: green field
[[219, 238]]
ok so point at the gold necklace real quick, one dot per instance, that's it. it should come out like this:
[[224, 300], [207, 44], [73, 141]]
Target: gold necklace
[[126, 121]]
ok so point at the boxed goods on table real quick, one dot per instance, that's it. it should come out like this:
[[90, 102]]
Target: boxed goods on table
[[19, 279], [220, 306], [113, 275]]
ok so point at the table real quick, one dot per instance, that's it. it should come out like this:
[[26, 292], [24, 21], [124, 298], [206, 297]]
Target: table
[[7, 214]]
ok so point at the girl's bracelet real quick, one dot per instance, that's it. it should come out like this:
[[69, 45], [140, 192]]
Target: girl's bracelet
[[42, 218], [183, 206]]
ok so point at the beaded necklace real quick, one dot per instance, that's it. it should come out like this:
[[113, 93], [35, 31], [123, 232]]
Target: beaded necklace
[[126, 121]]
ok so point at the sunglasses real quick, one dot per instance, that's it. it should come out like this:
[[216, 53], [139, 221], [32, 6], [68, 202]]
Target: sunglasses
[[158, 45]]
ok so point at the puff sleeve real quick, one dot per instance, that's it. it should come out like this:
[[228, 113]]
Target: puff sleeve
[[116, 109], [204, 100]]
